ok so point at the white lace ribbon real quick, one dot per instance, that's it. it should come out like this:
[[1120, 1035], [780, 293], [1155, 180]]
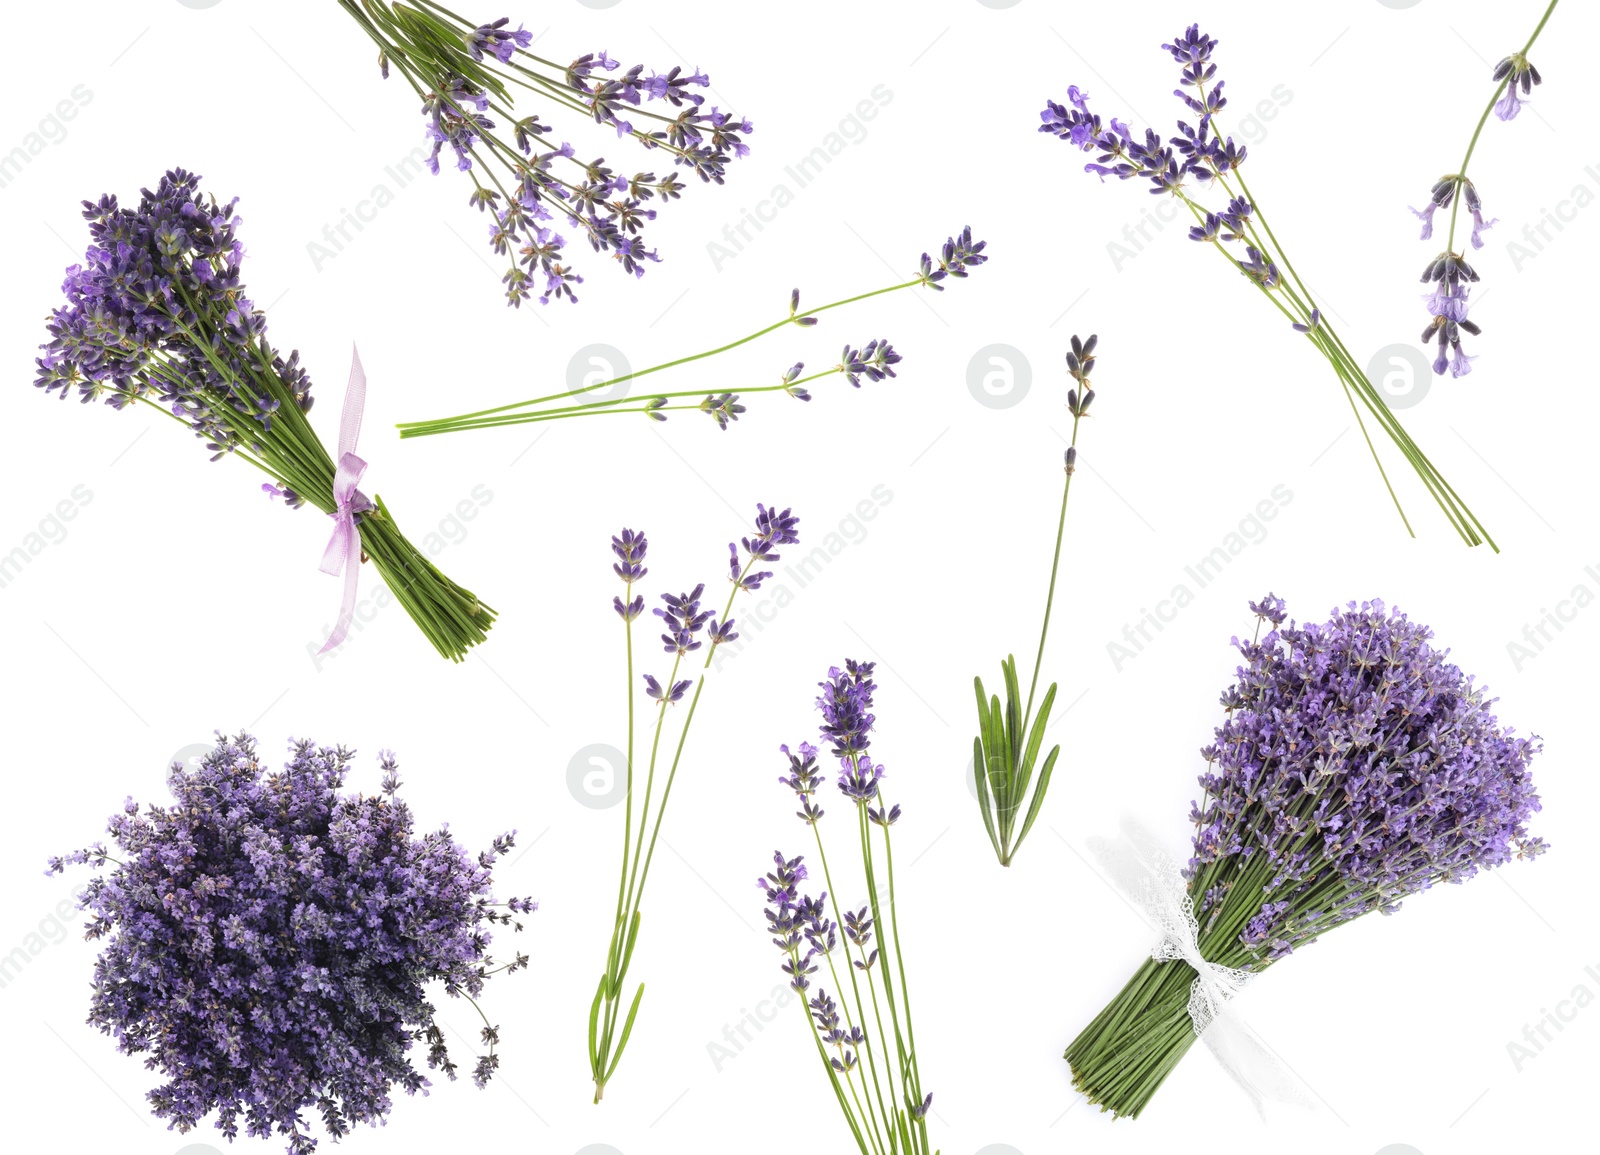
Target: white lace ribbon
[[1138, 865]]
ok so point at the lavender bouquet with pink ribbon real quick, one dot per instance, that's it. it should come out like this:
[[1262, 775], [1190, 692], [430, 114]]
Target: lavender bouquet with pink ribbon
[[157, 315]]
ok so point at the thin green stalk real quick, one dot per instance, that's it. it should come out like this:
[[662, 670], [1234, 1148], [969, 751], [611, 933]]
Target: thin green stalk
[[1472, 144], [442, 424]]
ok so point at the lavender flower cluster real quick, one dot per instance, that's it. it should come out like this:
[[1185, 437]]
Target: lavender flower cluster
[[157, 311], [1449, 272], [1198, 151], [806, 936], [549, 181], [1362, 766], [682, 619], [268, 942]]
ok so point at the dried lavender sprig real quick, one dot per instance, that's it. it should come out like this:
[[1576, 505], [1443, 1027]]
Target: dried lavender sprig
[[684, 623], [462, 73], [1204, 152], [956, 256], [1448, 305], [1005, 748]]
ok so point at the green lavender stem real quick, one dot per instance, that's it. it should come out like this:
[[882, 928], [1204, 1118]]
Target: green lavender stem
[[605, 1045], [506, 415], [1472, 144]]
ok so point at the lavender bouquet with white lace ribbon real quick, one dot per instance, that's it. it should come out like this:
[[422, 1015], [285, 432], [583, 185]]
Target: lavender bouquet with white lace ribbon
[[1355, 766], [469, 77]]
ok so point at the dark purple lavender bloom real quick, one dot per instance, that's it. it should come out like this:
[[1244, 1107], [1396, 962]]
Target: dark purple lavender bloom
[[744, 577], [956, 256], [794, 306], [1311, 325], [630, 549], [772, 530], [793, 390], [875, 362], [683, 619], [846, 705], [1517, 71], [805, 780], [270, 943], [669, 696], [724, 408], [721, 632], [151, 277], [497, 41], [1364, 766]]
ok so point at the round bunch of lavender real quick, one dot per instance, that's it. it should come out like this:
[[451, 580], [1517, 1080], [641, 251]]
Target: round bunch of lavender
[[1449, 272], [1356, 766], [269, 942], [1203, 157], [873, 1068], [875, 361], [523, 179], [157, 314]]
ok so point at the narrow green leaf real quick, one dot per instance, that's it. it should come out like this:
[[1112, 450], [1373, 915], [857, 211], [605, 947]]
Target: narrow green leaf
[[594, 1019], [1038, 794], [627, 1029], [1035, 740], [980, 776]]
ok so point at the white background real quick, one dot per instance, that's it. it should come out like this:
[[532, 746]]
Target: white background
[[180, 601]]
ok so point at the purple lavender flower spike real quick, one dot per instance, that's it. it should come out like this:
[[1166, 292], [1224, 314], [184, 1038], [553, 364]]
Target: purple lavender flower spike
[[683, 619], [669, 695]]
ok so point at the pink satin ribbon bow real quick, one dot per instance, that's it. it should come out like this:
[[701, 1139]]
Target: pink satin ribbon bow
[[344, 547]]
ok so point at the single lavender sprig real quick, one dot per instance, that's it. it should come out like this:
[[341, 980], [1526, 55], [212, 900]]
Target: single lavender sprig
[[1449, 272], [1008, 741], [1202, 154], [522, 179], [686, 630], [270, 943], [864, 1039], [875, 361], [1355, 766]]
